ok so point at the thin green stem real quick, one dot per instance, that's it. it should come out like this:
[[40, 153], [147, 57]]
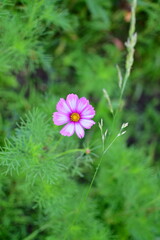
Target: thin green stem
[[36, 232], [57, 143], [69, 151], [97, 168]]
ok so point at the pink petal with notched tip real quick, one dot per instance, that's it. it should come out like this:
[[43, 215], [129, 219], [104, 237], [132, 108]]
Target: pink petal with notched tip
[[68, 129], [86, 123], [62, 106], [88, 112], [79, 130], [60, 118], [81, 104], [72, 101]]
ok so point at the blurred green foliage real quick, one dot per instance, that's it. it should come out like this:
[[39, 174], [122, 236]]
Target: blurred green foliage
[[50, 48]]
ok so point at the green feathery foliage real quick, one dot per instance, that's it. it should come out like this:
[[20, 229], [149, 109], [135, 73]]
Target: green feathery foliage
[[127, 177], [40, 164]]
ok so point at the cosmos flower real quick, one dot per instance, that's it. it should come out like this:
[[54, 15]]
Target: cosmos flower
[[76, 113]]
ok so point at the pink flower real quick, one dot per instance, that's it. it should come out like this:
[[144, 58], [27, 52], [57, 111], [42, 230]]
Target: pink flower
[[76, 113]]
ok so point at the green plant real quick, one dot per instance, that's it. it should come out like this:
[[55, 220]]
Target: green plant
[[57, 188]]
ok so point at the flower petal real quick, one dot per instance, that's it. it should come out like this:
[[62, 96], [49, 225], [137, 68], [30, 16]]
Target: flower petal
[[81, 104], [79, 130], [72, 101], [60, 118], [67, 130], [88, 112], [62, 106], [86, 123]]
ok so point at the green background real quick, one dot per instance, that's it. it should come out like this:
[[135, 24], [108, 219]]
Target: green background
[[48, 49]]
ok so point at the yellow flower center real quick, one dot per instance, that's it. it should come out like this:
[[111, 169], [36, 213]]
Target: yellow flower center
[[75, 117]]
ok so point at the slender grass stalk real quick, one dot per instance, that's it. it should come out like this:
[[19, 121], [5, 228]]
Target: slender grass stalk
[[130, 44]]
